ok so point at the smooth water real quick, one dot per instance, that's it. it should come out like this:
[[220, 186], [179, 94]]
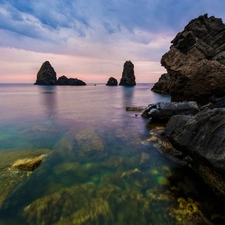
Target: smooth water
[[98, 167]]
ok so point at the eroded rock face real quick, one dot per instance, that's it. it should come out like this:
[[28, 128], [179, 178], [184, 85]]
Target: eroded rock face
[[202, 137], [128, 78], [63, 80], [112, 82], [46, 75], [195, 61]]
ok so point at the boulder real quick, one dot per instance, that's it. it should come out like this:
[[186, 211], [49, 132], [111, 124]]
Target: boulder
[[165, 110], [196, 61], [63, 80], [202, 138], [162, 85], [46, 75], [112, 82], [128, 77]]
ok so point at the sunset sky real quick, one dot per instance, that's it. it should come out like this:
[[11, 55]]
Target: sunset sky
[[91, 39]]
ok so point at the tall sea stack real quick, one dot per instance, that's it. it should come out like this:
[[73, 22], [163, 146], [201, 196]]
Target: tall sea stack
[[128, 78], [46, 75]]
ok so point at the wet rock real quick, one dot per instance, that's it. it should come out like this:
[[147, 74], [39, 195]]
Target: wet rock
[[63, 80], [195, 61], [202, 138], [135, 108], [112, 82], [164, 110], [46, 75], [128, 77]]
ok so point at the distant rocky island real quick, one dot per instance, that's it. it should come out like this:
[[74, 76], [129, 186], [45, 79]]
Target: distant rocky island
[[47, 76]]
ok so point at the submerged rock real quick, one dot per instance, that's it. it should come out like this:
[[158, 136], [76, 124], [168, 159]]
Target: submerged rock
[[196, 61], [16, 167], [164, 110], [112, 82], [128, 77], [202, 137], [46, 75], [63, 80]]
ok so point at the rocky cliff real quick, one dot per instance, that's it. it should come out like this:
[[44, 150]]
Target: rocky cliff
[[46, 75], [128, 77], [196, 61]]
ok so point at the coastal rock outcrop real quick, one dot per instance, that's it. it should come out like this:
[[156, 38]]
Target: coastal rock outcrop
[[165, 110], [196, 61], [112, 82], [63, 80], [46, 75], [128, 77], [202, 138], [162, 85]]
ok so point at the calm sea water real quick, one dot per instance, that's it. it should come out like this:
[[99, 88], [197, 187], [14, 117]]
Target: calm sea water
[[98, 168]]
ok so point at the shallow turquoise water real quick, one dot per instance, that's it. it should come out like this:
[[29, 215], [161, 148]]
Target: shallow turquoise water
[[100, 169]]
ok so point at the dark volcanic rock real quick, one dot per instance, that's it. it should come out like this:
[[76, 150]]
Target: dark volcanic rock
[[112, 82], [202, 137], [165, 110], [162, 85], [46, 75], [63, 80], [128, 78], [196, 61]]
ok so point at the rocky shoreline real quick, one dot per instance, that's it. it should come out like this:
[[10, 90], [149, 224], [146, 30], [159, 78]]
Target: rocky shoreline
[[195, 72]]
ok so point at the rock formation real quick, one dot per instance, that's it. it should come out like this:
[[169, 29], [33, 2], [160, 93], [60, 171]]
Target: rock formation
[[202, 138], [63, 80], [162, 85], [196, 61], [128, 78], [165, 110], [46, 75], [112, 82]]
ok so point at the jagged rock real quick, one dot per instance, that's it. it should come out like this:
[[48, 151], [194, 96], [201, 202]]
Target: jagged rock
[[195, 61], [202, 137], [46, 75], [63, 80], [112, 82], [165, 110], [162, 85], [128, 78]]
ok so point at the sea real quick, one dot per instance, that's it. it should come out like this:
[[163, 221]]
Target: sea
[[96, 163]]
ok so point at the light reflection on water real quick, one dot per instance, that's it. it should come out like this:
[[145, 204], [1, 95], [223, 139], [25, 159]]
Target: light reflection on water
[[99, 171]]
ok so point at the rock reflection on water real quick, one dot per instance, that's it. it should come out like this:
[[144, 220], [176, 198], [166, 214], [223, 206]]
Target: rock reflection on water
[[89, 181]]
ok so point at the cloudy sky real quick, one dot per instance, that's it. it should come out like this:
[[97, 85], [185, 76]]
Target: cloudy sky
[[91, 39]]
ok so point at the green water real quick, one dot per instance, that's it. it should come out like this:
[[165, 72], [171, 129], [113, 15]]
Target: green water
[[97, 167]]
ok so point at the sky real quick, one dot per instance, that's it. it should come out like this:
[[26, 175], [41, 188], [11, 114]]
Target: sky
[[91, 39]]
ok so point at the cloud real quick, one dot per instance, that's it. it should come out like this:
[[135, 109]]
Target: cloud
[[108, 31]]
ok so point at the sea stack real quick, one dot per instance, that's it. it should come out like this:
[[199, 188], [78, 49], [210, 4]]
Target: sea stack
[[46, 75], [128, 78], [112, 82]]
